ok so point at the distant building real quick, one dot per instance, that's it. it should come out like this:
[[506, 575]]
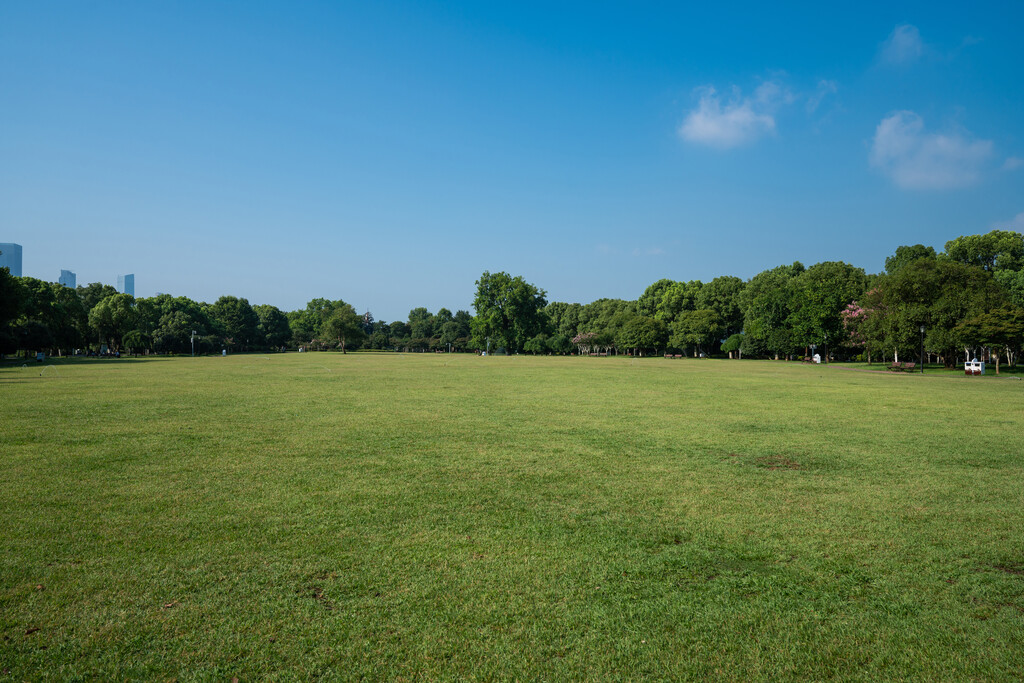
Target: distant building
[[10, 256], [67, 278], [126, 284]]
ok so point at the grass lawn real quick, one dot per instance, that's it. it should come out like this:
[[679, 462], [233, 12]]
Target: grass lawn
[[319, 516]]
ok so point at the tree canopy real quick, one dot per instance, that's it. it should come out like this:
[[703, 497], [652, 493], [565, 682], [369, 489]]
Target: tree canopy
[[509, 310]]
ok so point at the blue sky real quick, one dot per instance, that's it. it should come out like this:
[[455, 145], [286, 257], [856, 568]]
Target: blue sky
[[387, 153]]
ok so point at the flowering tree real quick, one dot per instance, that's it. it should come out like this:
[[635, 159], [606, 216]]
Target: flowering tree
[[864, 322], [584, 341]]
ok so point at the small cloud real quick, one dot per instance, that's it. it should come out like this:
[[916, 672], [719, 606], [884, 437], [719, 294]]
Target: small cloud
[[914, 159], [1016, 224], [1012, 163], [903, 46], [825, 88], [736, 122], [604, 249]]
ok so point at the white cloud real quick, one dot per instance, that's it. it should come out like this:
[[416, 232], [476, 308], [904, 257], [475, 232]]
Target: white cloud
[[736, 122], [825, 88], [918, 160], [903, 46], [1012, 163], [1016, 224]]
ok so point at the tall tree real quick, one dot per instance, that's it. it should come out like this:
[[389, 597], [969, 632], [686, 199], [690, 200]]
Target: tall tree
[[1013, 282], [938, 294], [698, 330], [642, 334], [234, 320], [819, 296], [1001, 329], [345, 326], [996, 250], [114, 317], [421, 323], [767, 304], [565, 318], [272, 329], [12, 298], [650, 302], [905, 255], [722, 295], [509, 310], [94, 292]]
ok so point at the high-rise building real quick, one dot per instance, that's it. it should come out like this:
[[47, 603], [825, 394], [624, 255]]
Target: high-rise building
[[126, 284], [10, 256], [67, 278]]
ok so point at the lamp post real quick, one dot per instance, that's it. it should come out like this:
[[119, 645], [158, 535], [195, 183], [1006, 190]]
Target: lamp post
[[193, 341], [922, 349]]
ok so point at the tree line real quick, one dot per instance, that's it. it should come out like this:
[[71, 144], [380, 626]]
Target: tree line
[[967, 299]]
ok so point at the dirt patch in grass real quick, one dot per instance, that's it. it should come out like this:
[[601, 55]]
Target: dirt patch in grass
[[777, 462], [317, 593], [1015, 569], [768, 462]]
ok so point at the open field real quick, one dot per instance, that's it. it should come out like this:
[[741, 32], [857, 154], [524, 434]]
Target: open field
[[384, 516]]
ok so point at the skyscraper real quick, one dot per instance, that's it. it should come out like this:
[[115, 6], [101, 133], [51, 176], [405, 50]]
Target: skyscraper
[[67, 278], [126, 284], [10, 256]]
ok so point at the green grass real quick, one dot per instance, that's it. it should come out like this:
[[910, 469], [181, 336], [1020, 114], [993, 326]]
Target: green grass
[[307, 516]]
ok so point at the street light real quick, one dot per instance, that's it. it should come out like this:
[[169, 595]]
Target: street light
[[922, 349], [193, 341]]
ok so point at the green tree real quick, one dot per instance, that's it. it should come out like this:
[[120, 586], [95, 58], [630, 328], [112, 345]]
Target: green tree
[[176, 319], [1001, 329], [537, 344], [1013, 282], [421, 323], [996, 250], [235, 321], [565, 318], [698, 330], [114, 317], [509, 311], [560, 344], [272, 329], [642, 334], [604, 318], [344, 325], [12, 298], [905, 255], [93, 293], [734, 344], [303, 327], [938, 294], [818, 297], [650, 302], [767, 303], [722, 295]]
